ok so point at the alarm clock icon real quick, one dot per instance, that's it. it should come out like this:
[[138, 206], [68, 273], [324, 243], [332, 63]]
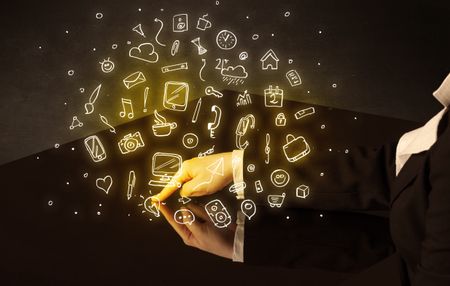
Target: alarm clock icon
[[226, 40], [180, 23]]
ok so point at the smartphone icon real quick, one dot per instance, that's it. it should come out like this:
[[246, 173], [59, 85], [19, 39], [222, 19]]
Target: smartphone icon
[[95, 148]]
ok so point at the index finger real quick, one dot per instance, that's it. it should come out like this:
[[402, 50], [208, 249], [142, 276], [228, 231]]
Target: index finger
[[174, 184]]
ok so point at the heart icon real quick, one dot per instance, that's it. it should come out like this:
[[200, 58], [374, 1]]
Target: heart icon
[[104, 183]]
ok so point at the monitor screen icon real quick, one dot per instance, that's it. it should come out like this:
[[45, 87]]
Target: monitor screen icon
[[164, 167], [176, 95]]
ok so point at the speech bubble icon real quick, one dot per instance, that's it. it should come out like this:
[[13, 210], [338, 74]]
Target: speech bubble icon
[[248, 207], [184, 216]]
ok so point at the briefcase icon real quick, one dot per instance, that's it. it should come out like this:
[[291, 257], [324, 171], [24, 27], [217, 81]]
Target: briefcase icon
[[295, 148], [134, 79], [176, 95]]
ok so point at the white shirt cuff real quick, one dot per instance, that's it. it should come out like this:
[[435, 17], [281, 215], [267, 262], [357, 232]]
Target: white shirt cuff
[[238, 172], [238, 246]]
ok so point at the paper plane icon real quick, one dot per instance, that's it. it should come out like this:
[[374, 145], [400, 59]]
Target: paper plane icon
[[184, 200], [216, 168], [138, 29]]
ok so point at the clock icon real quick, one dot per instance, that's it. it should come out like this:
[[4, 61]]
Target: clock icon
[[226, 40]]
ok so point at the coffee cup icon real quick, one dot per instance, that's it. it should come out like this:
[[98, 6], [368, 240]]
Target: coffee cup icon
[[162, 128], [203, 24]]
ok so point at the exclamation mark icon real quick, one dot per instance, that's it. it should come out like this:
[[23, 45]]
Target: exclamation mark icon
[[145, 98]]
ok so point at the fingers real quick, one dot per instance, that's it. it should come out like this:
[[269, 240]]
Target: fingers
[[198, 211], [193, 189], [181, 177], [182, 230]]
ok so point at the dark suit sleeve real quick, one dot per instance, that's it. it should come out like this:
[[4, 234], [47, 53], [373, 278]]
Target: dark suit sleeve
[[434, 266]]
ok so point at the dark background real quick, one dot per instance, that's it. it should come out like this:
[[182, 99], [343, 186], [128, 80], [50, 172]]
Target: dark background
[[386, 57]]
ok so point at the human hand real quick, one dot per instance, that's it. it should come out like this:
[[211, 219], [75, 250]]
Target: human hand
[[200, 176], [202, 233]]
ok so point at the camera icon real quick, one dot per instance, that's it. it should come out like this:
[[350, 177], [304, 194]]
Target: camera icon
[[130, 143]]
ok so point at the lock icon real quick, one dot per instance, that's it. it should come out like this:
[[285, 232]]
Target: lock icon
[[280, 120]]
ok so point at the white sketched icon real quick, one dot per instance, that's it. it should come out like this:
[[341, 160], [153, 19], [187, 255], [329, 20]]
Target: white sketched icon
[[190, 140], [276, 200], [243, 99], [151, 206], [162, 128], [180, 23], [197, 110], [267, 149], [304, 112], [294, 78], [138, 29], [104, 183], [127, 108], [273, 97], [184, 200], [176, 95], [75, 123], [215, 169], [209, 90], [212, 126], [134, 79], [258, 186], [184, 216], [295, 148], [175, 47], [89, 106], [131, 184], [203, 24], [244, 124], [200, 72], [144, 52], [175, 67], [226, 40], [106, 122], [279, 178], [270, 60], [107, 65], [302, 191], [248, 207], [161, 26], [95, 148], [130, 143], [164, 167], [280, 120], [237, 187], [218, 214], [200, 49], [232, 74], [207, 152]]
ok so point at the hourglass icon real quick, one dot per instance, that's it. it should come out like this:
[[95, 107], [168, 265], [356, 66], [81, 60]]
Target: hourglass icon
[[201, 49]]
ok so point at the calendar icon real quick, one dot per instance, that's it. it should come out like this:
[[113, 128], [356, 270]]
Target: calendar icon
[[273, 97]]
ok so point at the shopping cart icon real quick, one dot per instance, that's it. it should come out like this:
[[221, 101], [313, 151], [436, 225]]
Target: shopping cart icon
[[276, 200]]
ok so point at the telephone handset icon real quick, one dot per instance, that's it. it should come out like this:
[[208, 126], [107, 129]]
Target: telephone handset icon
[[212, 126]]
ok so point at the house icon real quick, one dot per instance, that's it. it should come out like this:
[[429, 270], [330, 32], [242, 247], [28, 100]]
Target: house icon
[[270, 61]]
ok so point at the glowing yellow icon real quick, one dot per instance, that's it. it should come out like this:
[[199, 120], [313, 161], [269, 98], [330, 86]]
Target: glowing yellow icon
[[104, 183], [127, 108], [134, 79], [270, 60], [273, 97], [162, 128], [130, 143], [176, 95], [295, 148]]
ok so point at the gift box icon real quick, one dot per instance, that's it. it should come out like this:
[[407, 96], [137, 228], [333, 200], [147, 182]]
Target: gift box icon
[[134, 79]]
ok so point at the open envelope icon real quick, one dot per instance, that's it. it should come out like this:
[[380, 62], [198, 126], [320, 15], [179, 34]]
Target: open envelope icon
[[134, 79]]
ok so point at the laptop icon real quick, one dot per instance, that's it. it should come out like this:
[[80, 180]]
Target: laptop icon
[[164, 167], [176, 95]]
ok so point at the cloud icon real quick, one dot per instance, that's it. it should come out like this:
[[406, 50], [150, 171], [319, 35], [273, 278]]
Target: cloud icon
[[144, 52], [236, 72]]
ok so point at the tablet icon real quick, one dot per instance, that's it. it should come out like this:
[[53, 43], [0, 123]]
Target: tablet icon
[[176, 95], [95, 148]]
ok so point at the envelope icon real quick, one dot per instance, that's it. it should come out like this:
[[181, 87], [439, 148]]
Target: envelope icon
[[134, 79]]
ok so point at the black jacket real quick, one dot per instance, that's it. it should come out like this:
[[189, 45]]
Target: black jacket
[[344, 177]]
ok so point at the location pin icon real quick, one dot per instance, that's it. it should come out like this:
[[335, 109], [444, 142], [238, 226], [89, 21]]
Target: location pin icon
[[248, 207]]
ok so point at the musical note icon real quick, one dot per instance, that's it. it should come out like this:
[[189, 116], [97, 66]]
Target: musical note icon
[[127, 106], [267, 149]]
